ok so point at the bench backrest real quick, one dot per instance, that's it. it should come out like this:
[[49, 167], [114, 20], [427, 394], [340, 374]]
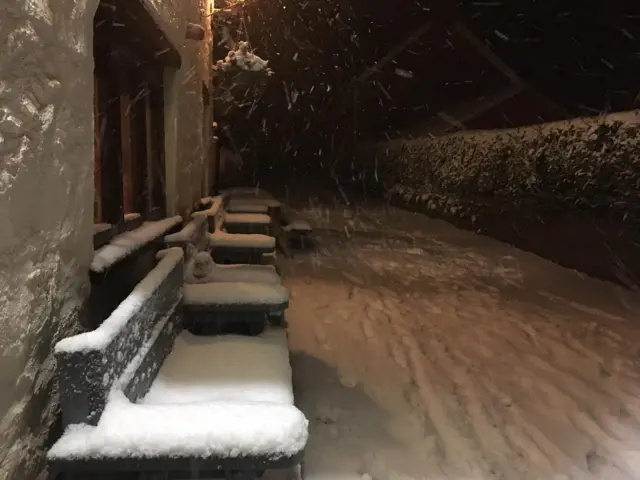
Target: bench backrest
[[194, 233], [127, 350]]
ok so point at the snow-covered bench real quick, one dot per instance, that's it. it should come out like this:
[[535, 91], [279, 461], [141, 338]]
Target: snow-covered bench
[[247, 223], [215, 307], [251, 200], [242, 206], [239, 247], [219, 297], [139, 394], [200, 268], [297, 229], [228, 248]]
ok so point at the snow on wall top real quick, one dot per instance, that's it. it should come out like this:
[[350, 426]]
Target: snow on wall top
[[99, 338], [129, 242]]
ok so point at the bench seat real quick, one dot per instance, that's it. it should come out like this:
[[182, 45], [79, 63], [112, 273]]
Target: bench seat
[[236, 296], [236, 248], [246, 206], [298, 226], [211, 369], [247, 219], [261, 243], [256, 223], [238, 307], [238, 273]]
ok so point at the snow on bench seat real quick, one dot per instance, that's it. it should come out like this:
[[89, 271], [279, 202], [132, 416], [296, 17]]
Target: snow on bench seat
[[197, 430], [235, 273], [229, 368], [246, 206], [242, 240], [235, 294], [298, 226], [222, 397], [247, 218]]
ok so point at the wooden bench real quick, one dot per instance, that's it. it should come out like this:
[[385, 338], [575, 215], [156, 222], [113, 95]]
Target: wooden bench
[[243, 307], [231, 298], [228, 248], [141, 395], [200, 268], [241, 206], [251, 200], [247, 223]]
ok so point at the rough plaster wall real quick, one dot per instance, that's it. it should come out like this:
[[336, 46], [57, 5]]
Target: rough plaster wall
[[186, 146], [46, 202], [46, 195]]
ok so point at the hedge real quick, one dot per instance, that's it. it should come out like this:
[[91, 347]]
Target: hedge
[[582, 167]]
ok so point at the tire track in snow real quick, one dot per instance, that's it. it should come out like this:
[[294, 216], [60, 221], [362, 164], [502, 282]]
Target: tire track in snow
[[459, 452], [565, 390], [529, 434], [599, 391], [587, 425], [528, 441], [488, 437]]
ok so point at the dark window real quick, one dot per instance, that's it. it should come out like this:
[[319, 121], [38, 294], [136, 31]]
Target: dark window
[[130, 54]]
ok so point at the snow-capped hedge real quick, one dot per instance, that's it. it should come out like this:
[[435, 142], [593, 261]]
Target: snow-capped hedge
[[574, 166]]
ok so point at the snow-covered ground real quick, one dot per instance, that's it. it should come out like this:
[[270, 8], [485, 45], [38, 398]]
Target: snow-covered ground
[[425, 352]]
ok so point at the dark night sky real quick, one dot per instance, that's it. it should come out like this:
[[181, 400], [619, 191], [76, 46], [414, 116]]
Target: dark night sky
[[583, 55]]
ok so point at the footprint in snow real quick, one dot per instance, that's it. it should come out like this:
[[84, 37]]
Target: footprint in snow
[[321, 336], [347, 380]]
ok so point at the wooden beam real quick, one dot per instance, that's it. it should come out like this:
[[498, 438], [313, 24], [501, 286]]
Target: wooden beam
[[462, 113], [393, 53], [97, 167], [487, 53], [127, 153]]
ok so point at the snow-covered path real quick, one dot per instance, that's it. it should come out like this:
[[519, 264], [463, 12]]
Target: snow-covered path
[[425, 352]]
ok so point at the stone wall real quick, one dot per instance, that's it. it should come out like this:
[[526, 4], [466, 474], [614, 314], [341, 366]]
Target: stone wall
[[46, 194], [568, 191]]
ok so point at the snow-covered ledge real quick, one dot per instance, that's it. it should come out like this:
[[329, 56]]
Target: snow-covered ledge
[[127, 243]]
